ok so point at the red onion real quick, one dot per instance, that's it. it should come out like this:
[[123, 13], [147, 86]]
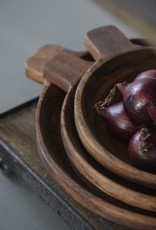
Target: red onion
[[142, 150], [147, 73], [139, 98], [117, 120]]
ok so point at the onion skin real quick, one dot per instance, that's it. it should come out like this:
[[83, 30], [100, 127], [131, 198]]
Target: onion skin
[[139, 98], [142, 150], [117, 120], [146, 74]]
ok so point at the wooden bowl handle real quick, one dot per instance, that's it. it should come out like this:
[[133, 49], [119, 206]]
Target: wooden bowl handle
[[65, 70], [35, 63], [107, 42], [57, 65]]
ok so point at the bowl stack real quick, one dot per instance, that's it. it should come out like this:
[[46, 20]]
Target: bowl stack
[[74, 143]]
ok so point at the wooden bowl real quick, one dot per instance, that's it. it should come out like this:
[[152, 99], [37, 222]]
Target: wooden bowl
[[106, 45], [118, 61], [58, 165], [65, 69], [56, 162], [99, 178]]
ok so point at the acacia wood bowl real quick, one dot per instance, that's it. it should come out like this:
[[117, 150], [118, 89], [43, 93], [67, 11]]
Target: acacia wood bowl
[[65, 69], [97, 177], [57, 163], [117, 60]]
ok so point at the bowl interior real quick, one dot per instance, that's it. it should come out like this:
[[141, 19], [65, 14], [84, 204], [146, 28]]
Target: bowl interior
[[99, 84]]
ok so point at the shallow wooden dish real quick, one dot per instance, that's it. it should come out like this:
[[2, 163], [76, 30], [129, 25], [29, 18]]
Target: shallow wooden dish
[[99, 178], [56, 161], [118, 61], [67, 69]]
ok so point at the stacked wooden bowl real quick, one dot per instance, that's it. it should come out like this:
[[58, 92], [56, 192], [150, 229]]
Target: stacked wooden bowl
[[74, 144]]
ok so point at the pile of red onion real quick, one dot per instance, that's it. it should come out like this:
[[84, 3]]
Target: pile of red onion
[[133, 119]]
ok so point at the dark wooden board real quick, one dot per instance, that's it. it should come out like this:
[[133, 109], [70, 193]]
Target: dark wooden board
[[18, 150]]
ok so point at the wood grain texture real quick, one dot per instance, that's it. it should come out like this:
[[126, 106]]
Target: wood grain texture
[[65, 70], [111, 43], [58, 165], [18, 131], [35, 63], [99, 177], [95, 86]]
